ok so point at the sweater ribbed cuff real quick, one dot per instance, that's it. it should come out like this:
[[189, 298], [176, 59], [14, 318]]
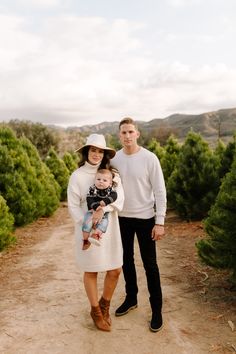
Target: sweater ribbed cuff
[[159, 220]]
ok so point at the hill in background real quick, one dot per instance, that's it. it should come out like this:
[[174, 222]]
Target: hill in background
[[210, 125], [222, 122]]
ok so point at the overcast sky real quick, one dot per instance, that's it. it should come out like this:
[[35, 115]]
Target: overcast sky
[[77, 62]]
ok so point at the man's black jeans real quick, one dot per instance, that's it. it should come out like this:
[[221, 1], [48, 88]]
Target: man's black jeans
[[142, 228]]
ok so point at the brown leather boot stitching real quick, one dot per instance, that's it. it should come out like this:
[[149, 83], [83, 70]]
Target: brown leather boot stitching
[[98, 319], [105, 306]]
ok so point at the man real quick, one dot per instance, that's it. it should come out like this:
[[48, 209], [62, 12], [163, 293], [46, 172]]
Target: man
[[143, 214]]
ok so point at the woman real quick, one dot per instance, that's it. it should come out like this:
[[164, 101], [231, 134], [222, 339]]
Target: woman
[[108, 257]]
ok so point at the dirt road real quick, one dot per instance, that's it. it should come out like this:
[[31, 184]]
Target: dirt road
[[44, 308]]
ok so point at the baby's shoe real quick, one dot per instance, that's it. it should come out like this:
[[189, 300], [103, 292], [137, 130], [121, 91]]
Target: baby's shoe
[[95, 239], [86, 245]]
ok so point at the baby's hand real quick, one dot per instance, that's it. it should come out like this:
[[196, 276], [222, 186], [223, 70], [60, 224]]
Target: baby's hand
[[102, 204]]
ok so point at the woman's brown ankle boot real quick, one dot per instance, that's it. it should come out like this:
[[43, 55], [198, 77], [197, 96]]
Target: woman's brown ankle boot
[[98, 319], [105, 305]]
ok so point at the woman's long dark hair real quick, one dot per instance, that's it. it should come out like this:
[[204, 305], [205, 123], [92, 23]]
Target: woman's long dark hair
[[105, 163]]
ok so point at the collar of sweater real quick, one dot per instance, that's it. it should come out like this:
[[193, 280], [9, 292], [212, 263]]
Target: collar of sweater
[[91, 168]]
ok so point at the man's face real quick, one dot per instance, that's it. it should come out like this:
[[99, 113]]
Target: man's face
[[128, 135]]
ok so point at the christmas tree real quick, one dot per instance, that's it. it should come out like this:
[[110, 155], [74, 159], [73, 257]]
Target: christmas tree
[[219, 248], [194, 183]]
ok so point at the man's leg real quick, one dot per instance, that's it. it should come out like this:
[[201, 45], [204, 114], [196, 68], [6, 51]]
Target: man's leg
[[148, 253], [129, 271]]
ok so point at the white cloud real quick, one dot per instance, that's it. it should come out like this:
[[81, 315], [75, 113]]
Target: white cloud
[[15, 43], [72, 63], [38, 3], [188, 90], [88, 69], [182, 3]]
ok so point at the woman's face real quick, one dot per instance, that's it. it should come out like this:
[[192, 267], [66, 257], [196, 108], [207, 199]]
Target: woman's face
[[95, 155]]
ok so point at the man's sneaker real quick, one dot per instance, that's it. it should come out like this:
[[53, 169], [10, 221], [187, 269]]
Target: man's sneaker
[[156, 322], [126, 307]]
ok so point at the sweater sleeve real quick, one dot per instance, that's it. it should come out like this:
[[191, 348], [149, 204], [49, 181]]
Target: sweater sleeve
[[92, 203], [74, 197], [92, 199], [118, 202], [159, 189], [111, 198]]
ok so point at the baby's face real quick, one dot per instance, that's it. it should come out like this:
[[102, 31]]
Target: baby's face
[[103, 180]]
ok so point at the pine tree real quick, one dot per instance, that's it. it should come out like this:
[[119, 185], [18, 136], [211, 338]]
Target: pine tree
[[70, 162], [17, 178], [6, 225], [169, 159], [194, 184], [227, 157], [155, 147], [47, 193], [219, 248], [40, 135], [59, 170], [220, 149]]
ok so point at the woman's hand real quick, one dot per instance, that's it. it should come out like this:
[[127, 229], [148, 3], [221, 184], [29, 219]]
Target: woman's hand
[[97, 216]]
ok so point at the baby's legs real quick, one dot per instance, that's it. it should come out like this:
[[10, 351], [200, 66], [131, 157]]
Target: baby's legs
[[86, 229], [96, 235], [87, 224], [85, 235]]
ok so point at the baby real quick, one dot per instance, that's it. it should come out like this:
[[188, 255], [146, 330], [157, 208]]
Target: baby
[[99, 195]]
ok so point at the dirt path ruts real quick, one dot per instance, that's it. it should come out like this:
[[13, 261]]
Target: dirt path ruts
[[44, 308]]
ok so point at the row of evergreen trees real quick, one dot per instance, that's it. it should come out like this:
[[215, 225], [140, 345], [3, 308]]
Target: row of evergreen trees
[[29, 187], [200, 185], [219, 248], [193, 172]]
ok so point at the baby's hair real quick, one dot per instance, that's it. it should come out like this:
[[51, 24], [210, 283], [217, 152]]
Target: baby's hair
[[105, 171]]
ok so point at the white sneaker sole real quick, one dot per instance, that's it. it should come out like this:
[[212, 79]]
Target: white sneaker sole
[[94, 242]]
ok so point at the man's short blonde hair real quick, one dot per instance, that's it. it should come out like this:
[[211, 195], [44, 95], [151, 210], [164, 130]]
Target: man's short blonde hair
[[128, 120]]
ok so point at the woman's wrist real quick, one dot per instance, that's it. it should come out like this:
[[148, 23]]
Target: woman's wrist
[[100, 208]]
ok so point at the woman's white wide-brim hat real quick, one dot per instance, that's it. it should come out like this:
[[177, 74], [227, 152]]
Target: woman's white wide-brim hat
[[98, 141]]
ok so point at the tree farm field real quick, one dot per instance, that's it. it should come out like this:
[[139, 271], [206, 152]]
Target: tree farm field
[[44, 308]]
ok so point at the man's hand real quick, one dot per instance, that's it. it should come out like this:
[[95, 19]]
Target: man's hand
[[157, 232]]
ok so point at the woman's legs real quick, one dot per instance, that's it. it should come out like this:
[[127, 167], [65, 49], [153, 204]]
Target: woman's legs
[[100, 310], [110, 283], [90, 284]]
